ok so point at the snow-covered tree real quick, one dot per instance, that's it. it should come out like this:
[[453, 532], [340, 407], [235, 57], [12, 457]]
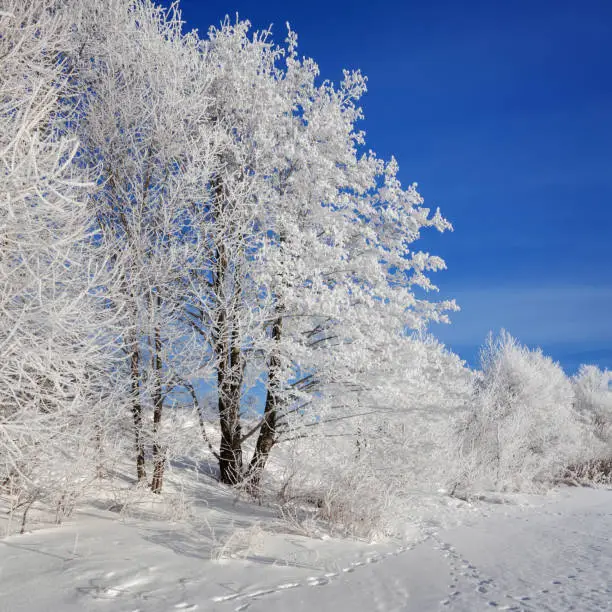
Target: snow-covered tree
[[593, 400], [52, 325], [312, 243], [222, 299], [593, 403], [363, 466], [520, 428]]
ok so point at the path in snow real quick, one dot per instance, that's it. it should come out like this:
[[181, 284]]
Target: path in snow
[[555, 557]]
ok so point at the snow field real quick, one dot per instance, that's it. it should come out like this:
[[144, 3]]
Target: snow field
[[542, 553]]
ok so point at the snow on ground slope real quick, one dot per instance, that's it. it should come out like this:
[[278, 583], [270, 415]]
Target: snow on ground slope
[[553, 554]]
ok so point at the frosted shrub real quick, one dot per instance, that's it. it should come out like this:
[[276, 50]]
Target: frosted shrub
[[356, 469], [593, 403], [324, 483], [520, 429], [357, 504]]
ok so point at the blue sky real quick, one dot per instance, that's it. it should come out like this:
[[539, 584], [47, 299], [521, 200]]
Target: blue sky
[[502, 111]]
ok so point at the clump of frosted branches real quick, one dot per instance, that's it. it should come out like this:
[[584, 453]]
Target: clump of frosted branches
[[358, 467], [520, 429]]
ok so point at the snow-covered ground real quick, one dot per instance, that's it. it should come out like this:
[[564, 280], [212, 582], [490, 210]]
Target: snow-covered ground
[[539, 553]]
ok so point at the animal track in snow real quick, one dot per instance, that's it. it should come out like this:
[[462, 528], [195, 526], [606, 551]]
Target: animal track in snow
[[469, 588], [462, 571], [313, 581]]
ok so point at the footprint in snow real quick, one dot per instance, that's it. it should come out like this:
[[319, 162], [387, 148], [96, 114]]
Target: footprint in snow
[[318, 581], [288, 585], [185, 606], [220, 598], [483, 585], [259, 593]]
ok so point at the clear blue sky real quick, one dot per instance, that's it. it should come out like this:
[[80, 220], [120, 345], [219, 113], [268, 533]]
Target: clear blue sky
[[502, 111]]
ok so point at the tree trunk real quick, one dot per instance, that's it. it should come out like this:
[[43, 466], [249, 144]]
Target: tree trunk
[[229, 383], [137, 412], [159, 454], [267, 432], [230, 365]]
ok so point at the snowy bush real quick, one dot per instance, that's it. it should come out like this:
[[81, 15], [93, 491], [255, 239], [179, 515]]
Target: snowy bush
[[593, 403], [323, 482], [357, 468], [520, 429]]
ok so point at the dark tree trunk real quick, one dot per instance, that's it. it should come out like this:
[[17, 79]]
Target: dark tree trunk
[[230, 366], [267, 432], [137, 412], [159, 454], [229, 381], [100, 471]]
